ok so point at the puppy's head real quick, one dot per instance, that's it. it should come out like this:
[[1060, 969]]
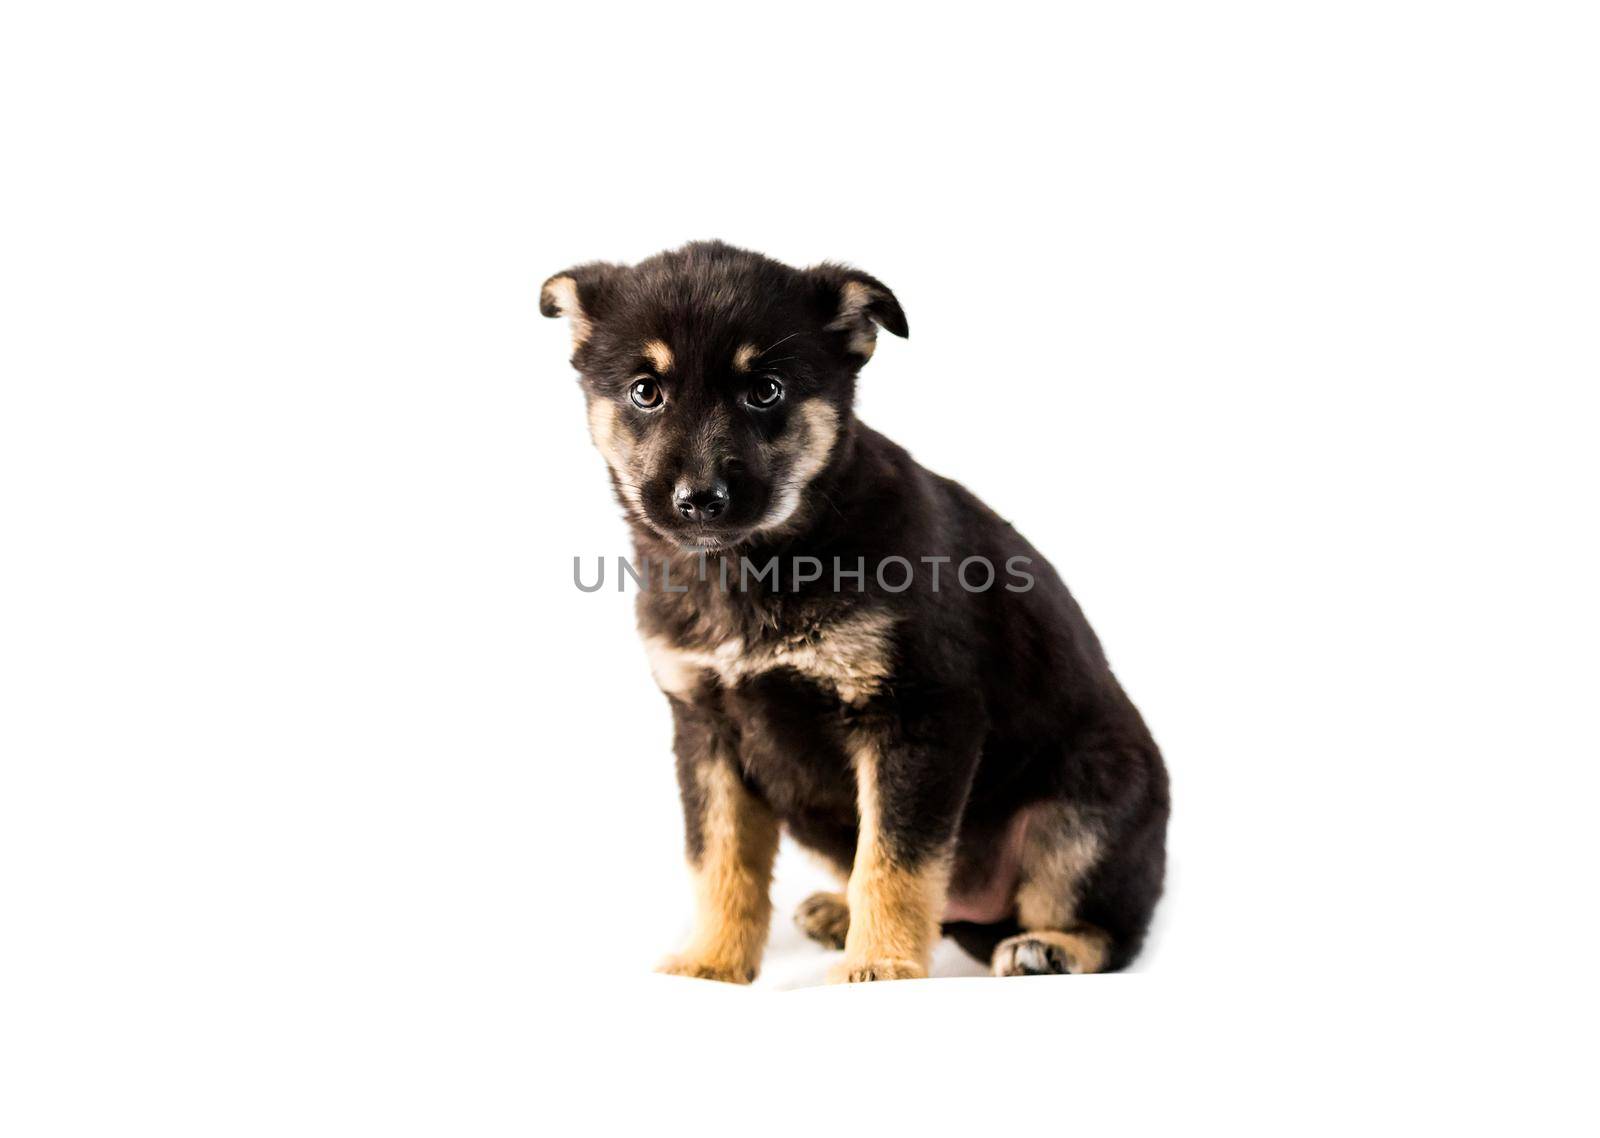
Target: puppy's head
[[718, 381]]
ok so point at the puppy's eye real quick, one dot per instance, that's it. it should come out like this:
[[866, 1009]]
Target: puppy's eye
[[645, 393], [766, 392]]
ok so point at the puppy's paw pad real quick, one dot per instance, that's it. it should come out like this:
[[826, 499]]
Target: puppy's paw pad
[[1028, 955], [704, 970], [825, 918], [869, 971]]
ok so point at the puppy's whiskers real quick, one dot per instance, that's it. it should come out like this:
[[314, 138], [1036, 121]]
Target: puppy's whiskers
[[785, 340]]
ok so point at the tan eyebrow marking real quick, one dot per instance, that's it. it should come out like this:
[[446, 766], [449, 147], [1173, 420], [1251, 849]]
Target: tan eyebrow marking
[[745, 356], [657, 352]]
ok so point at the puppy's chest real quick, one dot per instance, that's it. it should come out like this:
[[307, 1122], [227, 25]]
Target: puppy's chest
[[847, 656]]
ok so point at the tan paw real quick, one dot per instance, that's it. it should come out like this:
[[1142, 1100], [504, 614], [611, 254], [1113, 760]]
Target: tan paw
[[867, 971], [825, 918], [1048, 952], [704, 970]]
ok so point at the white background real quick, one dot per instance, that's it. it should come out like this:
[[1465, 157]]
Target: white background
[[330, 806]]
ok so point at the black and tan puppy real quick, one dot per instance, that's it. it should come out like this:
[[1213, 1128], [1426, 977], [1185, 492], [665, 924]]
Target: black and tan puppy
[[855, 649]]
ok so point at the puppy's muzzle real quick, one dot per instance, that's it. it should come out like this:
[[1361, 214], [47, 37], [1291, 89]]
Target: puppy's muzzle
[[703, 504]]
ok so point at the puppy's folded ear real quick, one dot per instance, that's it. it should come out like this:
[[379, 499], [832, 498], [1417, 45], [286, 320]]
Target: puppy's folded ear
[[857, 304], [580, 294]]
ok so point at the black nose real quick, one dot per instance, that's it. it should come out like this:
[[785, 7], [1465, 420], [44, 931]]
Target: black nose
[[701, 505]]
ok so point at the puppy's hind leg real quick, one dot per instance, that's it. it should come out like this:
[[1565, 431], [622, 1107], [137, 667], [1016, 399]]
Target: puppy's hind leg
[[825, 918], [1063, 847], [1053, 952], [825, 915]]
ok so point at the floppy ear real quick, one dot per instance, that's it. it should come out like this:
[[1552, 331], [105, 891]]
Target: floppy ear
[[858, 304], [579, 294]]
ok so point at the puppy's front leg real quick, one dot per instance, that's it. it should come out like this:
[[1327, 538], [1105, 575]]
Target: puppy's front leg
[[902, 865], [732, 838]]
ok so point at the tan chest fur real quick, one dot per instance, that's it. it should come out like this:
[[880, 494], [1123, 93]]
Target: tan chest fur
[[850, 656]]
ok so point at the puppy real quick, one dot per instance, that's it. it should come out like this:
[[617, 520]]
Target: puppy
[[961, 756]]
